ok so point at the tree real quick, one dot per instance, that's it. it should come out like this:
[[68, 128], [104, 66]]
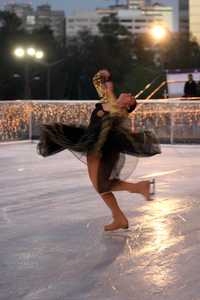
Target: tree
[[12, 69], [86, 54], [9, 22], [182, 53], [129, 58], [10, 31]]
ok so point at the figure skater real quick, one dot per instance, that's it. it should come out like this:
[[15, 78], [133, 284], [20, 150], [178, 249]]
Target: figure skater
[[106, 142]]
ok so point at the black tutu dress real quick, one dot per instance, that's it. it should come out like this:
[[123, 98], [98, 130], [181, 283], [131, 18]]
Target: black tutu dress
[[109, 136]]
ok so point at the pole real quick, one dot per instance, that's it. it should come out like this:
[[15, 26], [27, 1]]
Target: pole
[[27, 90], [30, 123], [172, 128], [48, 82], [49, 66]]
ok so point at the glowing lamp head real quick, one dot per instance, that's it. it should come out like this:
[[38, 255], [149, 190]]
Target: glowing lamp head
[[39, 54], [28, 52], [158, 32], [31, 52], [19, 52]]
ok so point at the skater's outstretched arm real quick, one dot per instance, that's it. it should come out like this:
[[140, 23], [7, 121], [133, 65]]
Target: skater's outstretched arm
[[105, 87]]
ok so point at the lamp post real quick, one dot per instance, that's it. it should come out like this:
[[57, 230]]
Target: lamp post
[[160, 35], [27, 54], [49, 67]]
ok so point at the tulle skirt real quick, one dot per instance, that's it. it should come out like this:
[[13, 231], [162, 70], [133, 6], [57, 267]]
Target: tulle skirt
[[111, 141]]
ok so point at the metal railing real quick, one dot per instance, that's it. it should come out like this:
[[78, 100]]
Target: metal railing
[[174, 121]]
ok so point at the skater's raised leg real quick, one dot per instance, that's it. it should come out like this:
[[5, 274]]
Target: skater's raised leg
[[119, 218]]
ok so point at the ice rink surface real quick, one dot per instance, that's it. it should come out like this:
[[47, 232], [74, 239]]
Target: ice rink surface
[[52, 244]]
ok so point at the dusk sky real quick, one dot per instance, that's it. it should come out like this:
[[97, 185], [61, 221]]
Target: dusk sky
[[70, 5]]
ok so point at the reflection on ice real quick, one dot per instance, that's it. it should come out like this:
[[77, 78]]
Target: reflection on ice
[[53, 247], [156, 227], [158, 174], [155, 236]]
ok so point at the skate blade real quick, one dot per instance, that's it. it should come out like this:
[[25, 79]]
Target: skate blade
[[152, 187]]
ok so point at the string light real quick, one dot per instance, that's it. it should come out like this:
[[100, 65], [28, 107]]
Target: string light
[[15, 120]]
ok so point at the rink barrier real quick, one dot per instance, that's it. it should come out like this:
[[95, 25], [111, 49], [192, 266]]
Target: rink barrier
[[174, 120]]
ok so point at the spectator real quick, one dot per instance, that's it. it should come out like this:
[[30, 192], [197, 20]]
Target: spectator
[[190, 88]]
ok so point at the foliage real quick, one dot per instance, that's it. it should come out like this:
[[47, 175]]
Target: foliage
[[86, 54], [131, 59], [182, 53], [12, 70]]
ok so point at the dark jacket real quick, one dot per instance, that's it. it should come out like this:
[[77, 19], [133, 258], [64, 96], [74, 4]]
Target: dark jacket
[[190, 89]]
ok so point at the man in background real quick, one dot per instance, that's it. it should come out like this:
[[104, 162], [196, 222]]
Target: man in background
[[190, 88]]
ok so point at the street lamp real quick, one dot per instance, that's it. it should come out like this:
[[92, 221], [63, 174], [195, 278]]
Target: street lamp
[[31, 52], [159, 34], [27, 53], [39, 54], [19, 52]]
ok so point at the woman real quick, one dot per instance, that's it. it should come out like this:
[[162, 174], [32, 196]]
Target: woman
[[106, 142]]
